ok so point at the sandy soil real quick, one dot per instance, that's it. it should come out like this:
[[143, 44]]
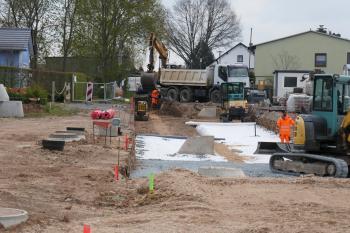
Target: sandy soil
[[165, 125], [64, 190]]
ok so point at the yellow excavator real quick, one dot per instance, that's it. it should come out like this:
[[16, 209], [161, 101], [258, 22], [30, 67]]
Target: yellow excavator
[[322, 139], [149, 78]]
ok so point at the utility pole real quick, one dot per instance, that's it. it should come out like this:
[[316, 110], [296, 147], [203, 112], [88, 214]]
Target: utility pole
[[250, 46]]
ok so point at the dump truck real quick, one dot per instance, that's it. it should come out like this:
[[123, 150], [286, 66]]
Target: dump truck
[[186, 85]]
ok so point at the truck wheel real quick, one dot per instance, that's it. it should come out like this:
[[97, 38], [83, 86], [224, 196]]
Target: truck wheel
[[173, 94], [186, 95], [215, 96]]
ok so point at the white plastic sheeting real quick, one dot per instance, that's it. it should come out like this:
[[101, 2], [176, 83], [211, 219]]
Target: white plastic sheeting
[[166, 148], [241, 137]]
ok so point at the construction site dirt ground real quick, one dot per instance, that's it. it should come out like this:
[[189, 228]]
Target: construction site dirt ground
[[62, 191]]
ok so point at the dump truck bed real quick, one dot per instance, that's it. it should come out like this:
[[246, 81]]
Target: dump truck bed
[[183, 77]]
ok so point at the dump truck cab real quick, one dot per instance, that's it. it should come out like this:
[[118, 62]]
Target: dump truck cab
[[233, 101], [231, 74]]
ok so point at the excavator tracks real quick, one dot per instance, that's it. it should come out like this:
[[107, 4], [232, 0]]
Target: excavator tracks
[[299, 163]]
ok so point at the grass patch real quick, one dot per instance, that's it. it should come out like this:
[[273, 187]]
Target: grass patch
[[51, 109]]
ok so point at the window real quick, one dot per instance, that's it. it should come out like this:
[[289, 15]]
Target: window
[[290, 81], [323, 93], [232, 91], [223, 73], [237, 71], [343, 99], [348, 60], [239, 58], [320, 60]]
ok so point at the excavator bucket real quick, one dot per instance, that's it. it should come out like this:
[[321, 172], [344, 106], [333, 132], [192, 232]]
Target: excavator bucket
[[272, 147]]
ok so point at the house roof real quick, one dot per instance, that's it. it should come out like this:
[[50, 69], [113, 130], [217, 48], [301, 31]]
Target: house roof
[[240, 43], [16, 39], [302, 33]]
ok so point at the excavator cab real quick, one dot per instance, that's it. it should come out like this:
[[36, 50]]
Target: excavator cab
[[331, 100], [331, 103], [233, 102], [321, 142]]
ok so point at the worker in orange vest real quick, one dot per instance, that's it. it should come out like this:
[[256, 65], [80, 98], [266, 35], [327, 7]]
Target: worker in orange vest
[[284, 124], [155, 98]]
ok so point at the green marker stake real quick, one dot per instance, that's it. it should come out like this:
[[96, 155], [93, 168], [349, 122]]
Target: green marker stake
[[151, 182]]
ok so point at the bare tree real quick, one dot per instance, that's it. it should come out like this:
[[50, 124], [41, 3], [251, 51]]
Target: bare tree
[[65, 29], [210, 21], [285, 61]]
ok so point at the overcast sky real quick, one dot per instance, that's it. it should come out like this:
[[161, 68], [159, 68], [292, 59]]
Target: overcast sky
[[272, 19]]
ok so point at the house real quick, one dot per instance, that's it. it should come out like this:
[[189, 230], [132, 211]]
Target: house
[[239, 54], [308, 50], [16, 47]]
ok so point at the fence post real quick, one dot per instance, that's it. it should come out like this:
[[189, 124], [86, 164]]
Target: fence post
[[105, 92], [53, 92], [67, 96], [74, 79], [255, 128], [114, 89]]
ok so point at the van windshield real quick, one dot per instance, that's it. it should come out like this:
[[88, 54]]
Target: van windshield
[[235, 71]]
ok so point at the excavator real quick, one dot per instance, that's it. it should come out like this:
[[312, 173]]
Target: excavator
[[322, 139], [149, 78]]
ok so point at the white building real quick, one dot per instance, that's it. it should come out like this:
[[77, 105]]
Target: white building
[[239, 54]]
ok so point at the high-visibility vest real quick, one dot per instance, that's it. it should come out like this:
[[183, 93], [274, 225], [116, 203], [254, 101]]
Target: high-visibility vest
[[285, 124]]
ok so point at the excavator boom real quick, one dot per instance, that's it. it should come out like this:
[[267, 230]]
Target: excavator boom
[[154, 43]]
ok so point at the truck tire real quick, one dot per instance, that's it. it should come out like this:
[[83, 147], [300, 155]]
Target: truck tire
[[172, 94], [215, 96], [186, 95]]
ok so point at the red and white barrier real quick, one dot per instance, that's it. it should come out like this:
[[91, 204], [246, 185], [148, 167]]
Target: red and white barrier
[[89, 91]]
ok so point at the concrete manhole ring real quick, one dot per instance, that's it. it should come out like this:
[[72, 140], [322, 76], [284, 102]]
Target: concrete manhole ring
[[53, 144], [75, 129], [11, 217], [63, 135]]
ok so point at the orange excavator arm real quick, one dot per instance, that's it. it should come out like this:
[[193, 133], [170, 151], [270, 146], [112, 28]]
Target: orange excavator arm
[[154, 43]]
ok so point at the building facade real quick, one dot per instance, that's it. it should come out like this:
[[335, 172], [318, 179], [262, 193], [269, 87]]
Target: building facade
[[239, 54], [16, 47], [304, 51]]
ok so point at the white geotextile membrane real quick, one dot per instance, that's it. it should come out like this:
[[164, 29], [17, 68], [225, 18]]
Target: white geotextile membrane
[[166, 148], [241, 137]]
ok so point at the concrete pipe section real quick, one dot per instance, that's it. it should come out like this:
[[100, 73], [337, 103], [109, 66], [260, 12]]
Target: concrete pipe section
[[79, 134], [12, 217], [67, 137]]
